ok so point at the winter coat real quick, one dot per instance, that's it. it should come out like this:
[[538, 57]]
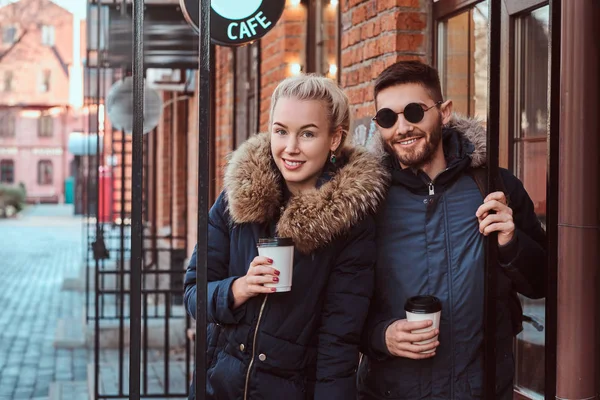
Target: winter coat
[[301, 344], [428, 242]]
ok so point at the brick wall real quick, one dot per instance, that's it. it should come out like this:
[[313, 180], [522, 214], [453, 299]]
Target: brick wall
[[282, 46], [376, 34]]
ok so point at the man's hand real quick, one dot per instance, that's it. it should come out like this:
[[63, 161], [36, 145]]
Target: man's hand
[[501, 221], [399, 339]]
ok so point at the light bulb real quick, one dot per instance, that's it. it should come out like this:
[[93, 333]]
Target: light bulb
[[295, 68]]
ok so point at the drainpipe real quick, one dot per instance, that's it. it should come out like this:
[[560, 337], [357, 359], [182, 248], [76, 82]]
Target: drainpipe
[[578, 330]]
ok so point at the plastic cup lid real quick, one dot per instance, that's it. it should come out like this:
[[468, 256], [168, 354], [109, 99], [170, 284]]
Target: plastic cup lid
[[275, 242], [426, 304]]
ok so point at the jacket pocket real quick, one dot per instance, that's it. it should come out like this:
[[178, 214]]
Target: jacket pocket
[[226, 378], [268, 386], [389, 380]]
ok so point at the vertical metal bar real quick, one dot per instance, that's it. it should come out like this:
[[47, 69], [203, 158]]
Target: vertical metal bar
[[97, 267], [185, 246], [204, 124], [121, 272], [491, 241], [167, 332], [136, 206], [552, 199], [145, 348]]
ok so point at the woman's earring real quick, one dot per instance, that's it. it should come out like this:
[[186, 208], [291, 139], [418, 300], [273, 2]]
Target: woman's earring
[[332, 158]]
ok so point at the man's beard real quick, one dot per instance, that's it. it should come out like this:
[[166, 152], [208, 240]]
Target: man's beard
[[421, 156]]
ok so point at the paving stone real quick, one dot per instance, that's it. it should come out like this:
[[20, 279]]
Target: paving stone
[[38, 252]]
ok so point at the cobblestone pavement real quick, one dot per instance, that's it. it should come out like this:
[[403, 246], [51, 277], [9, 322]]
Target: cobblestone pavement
[[37, 251]]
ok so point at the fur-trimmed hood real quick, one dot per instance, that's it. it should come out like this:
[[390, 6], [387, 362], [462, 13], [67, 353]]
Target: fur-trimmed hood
[[472, 139], [314, 218]]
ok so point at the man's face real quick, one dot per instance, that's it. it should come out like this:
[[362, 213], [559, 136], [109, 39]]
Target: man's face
[[415, 143]]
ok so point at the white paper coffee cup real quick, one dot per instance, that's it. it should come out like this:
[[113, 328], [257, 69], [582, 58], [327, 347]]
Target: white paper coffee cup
[[281, 251], [424, 308]]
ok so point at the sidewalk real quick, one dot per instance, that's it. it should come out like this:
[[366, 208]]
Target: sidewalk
[[37, 251]]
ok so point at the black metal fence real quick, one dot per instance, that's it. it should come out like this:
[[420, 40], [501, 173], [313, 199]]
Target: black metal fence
[[127, 263]]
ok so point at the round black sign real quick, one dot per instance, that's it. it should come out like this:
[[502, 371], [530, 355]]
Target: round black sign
[[235, 22]]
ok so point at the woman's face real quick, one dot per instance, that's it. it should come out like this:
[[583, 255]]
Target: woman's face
[[301, 141]]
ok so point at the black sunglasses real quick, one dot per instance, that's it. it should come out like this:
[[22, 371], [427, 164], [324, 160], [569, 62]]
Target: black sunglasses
[[413, 112]]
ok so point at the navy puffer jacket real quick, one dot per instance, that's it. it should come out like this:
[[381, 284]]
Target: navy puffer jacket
[[428, 242], [301, 344]]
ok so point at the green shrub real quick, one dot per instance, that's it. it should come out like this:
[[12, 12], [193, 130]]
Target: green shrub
[[12, 196]]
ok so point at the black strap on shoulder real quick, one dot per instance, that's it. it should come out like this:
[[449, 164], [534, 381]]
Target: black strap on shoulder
[[480, 177]]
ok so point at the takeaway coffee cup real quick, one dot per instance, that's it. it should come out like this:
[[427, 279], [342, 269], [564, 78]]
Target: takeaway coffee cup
[[422, 308], [281, 251]]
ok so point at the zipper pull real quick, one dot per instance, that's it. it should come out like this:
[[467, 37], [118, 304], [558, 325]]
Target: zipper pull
[[431, 189]]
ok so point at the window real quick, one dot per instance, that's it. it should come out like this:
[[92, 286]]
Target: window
[[529, 165], [247, 91], [7, 171], [45, 172], [9, 34], [462, 60], [8, 81], [45, 126], [322, 56], [44, 84], [7, 125], [47, 35]]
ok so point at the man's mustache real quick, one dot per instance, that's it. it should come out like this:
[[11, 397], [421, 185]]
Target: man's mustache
[[402, 138]]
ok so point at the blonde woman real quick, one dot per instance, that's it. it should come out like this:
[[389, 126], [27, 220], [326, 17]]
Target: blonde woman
[[300, 181]]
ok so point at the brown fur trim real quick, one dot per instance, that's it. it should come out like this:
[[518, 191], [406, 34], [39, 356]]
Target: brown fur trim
[[472, 130], [316, 217]]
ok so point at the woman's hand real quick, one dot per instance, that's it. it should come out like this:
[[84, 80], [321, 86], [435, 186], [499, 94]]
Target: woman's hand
[[252, 284]]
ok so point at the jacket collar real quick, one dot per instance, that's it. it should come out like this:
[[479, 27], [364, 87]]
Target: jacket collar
[[343, 196]]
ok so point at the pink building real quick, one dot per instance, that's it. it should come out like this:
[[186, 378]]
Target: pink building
[[40, 75]]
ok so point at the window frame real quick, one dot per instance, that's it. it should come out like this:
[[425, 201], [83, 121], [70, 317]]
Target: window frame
[[8, 126], [511, 9], [314, 39], [40, 181], [45, 82], [48, 32], [8, 80], [247, 91], [10, 28], [45, 126], [7, 162]]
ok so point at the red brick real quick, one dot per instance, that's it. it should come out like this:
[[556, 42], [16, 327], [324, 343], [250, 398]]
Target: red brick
[[387, 4], [411, 21]]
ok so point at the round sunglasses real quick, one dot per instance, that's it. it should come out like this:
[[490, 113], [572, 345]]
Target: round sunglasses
[[413, 113]]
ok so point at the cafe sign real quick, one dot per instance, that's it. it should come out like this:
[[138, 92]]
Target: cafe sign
[[235, 22]]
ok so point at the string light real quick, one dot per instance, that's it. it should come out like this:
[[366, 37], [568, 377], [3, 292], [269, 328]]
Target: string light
[[333, 69], [295, 68], [333, 3]]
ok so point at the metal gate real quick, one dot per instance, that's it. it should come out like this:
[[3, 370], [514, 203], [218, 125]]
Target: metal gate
[[115, 192]]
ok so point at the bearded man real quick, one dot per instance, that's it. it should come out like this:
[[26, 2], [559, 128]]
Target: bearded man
[[430, 234]]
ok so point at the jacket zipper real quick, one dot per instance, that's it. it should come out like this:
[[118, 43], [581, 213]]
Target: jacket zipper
[[432, 181], [262, 308]]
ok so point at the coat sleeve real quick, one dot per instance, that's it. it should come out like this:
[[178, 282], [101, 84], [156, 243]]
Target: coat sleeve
[[524, 259], [220, 296], [348, 293]]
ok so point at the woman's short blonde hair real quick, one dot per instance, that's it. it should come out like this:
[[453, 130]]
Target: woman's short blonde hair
[[315, 87]]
